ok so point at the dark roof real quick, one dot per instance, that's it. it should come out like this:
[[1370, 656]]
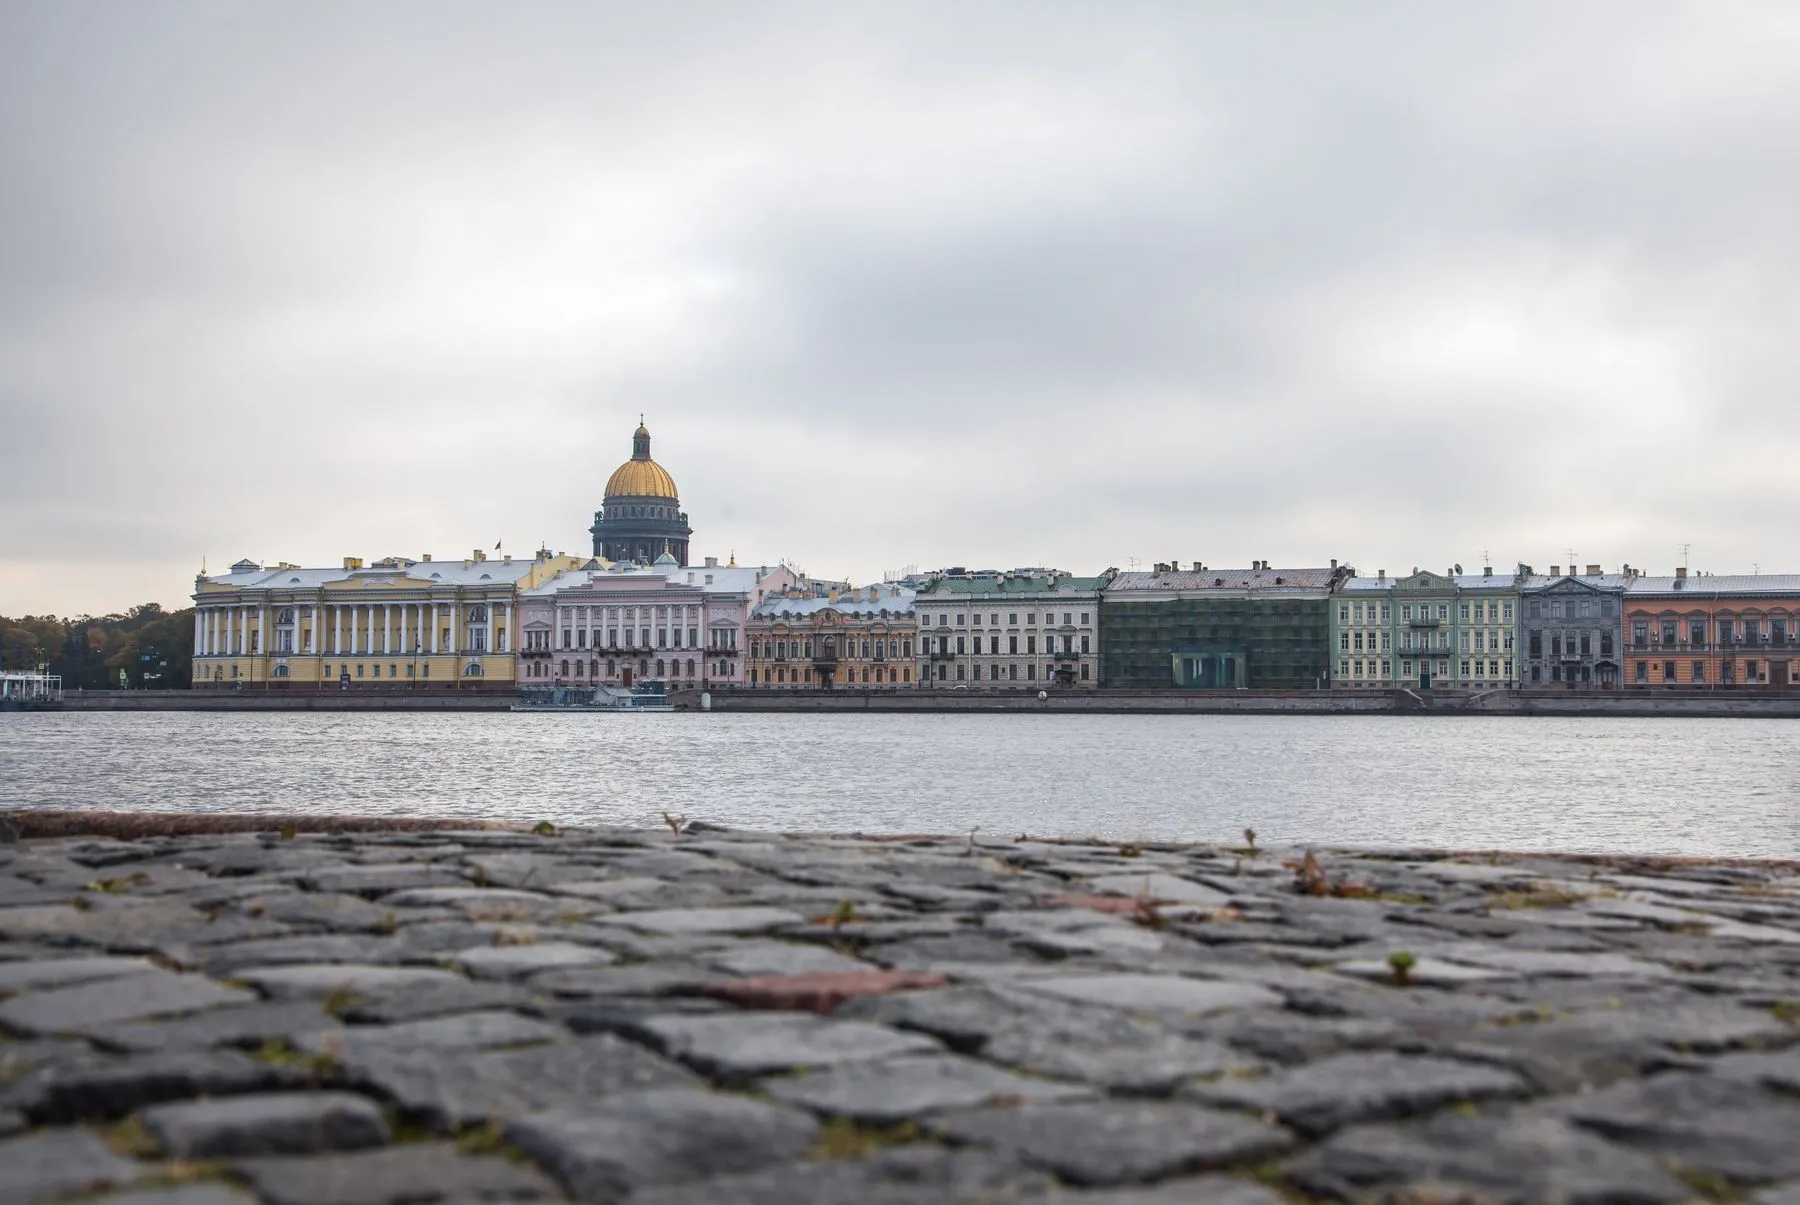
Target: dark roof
[[1226, 579]]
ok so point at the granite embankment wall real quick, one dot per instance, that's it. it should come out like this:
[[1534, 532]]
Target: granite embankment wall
[[280, 700], [1403, 702]]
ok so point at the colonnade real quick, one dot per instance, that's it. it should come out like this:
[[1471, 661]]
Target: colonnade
[[350, 629]]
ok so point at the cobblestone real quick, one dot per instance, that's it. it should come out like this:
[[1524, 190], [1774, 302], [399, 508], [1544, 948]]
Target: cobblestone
[[642, 1017]]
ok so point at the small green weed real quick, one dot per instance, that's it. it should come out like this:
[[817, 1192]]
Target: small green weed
[[130, 1139], [544, 828], [1786, 1010], [1402, 963], [675, 823], [842, 1138]]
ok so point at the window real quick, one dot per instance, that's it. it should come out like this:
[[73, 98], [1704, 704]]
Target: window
[[1556, 644], [959, 673], [1406, 611], [1535, 644], [1084, 648], [1386, 667], [959, 647], [993, 621], [1697, 633], [1012, 619], [1606, 648], [1668, 671], [1586, 642], [1698, 672], [962, 620], [1031, 673], [1464, 612], [1344, 668], [1031, 644], [994, 645], [1012, 644], [1465, 667], [1505, 612], [1535, 608], [1084, 617], [1344, 642]]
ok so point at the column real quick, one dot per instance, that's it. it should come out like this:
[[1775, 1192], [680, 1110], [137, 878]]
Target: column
[[403, 649], [453, 643], [504, 635], [432, 636], [355, 624], [316, 648], [230, 632], [337, 629], [387, 628]]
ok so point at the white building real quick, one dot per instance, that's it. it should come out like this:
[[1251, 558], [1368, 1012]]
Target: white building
[[1027, 628]]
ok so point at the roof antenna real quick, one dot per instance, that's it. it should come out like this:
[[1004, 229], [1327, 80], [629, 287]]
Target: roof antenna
[[1684, 555]]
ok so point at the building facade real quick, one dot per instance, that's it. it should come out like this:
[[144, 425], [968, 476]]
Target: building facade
[[1571, 629], [1425, 630], [396, 623], [1028, 628], [1255, 628], [1701, 631], [641, 517], [624, 624], [857, 639]]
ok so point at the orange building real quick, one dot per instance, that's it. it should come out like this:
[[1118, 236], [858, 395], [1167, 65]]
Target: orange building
[[1698, 631]]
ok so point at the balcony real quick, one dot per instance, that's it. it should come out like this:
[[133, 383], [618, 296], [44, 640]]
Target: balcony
[[940, 655], [1426, 623], [1065, 656]]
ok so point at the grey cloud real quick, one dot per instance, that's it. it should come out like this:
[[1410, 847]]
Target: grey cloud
[[1012, 283]]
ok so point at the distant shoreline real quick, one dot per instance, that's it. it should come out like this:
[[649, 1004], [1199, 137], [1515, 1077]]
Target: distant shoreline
[[1625, 703]]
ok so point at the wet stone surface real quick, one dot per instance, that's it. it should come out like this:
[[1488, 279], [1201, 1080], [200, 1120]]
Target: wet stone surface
[[660, 1019]]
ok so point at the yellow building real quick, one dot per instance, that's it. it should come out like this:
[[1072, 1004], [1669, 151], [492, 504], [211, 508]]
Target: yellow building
[[397, 623]]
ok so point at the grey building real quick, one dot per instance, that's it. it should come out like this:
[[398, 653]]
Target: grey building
[[1571, 627]]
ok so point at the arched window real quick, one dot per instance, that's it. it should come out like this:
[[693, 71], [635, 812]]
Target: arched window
[[286, 616], [690, 672], [565, 669], [474, 671], [578, 669], [643, 666], [281, 671], [478, 614], [661, 670]]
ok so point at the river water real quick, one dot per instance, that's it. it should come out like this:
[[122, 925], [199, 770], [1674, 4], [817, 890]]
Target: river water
[[1678, 786]]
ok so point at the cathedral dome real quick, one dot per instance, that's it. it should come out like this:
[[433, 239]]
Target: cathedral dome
[[641, 477]]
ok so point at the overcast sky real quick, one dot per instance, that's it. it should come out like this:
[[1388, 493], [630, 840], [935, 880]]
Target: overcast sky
[[904, 284]]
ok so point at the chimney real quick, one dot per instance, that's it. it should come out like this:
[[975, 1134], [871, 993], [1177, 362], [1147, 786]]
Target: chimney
[[353, 562], [1556, 571], [1198, 567], [712, 562], [1593, 571], [509, 558], [1381, 575], [1681, 572], [1334, 562], [1487, 571], [478, 555], [428, 558]]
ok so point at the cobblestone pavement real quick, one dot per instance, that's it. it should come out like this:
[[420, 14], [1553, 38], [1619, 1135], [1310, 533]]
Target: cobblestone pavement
[[710, 1016]]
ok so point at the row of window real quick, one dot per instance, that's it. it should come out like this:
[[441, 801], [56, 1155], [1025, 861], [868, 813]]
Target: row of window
[[1747, 631], [963, 645], [477, 613], [1012, 619], [1498, 670], [591, 669], [800, 675], [1493, 611], [1492, 640], [1007, 673], [1569, 644], [577, 638], [871, 650], [1753, 671]]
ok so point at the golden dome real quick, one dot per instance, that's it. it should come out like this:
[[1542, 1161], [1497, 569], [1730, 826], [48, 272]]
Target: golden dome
[[641, 477]]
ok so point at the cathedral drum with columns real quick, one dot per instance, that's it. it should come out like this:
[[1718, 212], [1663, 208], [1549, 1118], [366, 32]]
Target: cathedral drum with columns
[[641, 517]]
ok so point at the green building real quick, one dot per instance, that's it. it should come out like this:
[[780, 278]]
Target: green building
[[1424, 630], [1218, 629]]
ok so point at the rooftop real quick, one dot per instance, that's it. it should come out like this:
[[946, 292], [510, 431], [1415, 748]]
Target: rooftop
[[1225, 579], [889, 600]]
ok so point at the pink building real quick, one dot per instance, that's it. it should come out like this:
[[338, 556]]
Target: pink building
[[619, 626]]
